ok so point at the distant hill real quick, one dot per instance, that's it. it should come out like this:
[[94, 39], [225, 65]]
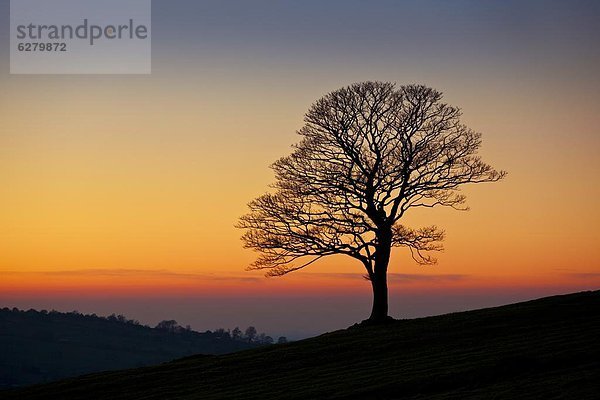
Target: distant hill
[[40, 346], [542, 349]]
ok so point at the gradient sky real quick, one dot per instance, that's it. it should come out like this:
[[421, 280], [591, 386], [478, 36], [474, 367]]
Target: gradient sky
[[119, 193]]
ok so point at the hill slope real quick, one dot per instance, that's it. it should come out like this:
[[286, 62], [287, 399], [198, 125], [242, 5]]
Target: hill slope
[[40, 347], [542, 349]]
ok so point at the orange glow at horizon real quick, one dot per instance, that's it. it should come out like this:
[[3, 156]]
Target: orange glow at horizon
[[132, 284]]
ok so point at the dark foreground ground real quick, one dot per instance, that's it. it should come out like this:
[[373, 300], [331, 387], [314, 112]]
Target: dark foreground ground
[[542, 349]]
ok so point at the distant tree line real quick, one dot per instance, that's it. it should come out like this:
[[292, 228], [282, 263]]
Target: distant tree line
[[250, 335], [172, 326], [113, 317], [40, 346]]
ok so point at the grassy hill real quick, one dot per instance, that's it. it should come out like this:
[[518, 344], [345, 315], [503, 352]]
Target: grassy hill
[[542, 349], [40, 346]]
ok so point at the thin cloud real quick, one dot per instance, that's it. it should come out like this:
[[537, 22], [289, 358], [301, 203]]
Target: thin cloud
[[393, 277], [163, 273], [428, 278], [584, 275], [123, 273]]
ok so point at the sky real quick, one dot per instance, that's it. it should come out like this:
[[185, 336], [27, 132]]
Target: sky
[[119, 193]]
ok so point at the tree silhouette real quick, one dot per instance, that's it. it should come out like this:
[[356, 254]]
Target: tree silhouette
[[369, 152], [168, 325], [236, 333], [250, 333]]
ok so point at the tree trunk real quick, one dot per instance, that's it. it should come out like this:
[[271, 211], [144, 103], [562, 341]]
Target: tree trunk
[[379, 313], [380, 298]]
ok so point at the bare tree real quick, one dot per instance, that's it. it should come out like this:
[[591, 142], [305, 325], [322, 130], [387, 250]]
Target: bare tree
[[369, 153]]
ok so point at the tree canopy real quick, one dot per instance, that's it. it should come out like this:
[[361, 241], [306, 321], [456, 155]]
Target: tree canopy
[[368, 153]]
